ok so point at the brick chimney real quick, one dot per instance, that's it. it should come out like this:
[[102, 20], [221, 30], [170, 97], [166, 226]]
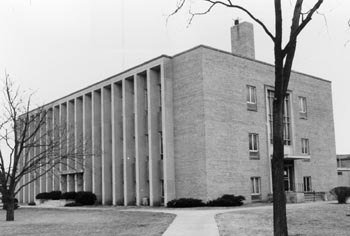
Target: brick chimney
[[242, 39]]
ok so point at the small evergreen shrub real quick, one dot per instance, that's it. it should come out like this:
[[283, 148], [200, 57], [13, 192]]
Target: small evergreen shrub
[[185, 202], [53, 195], [73, 204], [69, 195], [31, 204], [342, 193], [227, 200], [43, 195], [85, 198]]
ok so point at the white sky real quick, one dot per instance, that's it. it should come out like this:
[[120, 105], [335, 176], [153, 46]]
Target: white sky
[[55, 47]]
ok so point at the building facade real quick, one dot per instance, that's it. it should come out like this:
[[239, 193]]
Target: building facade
[[196, 124]]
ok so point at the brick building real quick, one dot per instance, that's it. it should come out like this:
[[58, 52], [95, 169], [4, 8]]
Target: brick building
[[196, 124]]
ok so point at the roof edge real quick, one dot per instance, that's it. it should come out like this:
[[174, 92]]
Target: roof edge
[[247, 58]]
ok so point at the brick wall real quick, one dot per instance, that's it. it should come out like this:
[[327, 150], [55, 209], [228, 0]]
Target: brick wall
[[212, 125]]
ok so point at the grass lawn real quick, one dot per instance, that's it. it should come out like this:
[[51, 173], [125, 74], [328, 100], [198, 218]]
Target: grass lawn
[[327, 219], [72, 222]]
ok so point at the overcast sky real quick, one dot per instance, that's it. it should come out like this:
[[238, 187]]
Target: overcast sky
[[55, 47]]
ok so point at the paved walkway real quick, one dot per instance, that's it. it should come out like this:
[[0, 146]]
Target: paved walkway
[[199, 222]]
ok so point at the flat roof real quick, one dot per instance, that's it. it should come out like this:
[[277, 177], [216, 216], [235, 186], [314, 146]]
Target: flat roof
[[170, 57]]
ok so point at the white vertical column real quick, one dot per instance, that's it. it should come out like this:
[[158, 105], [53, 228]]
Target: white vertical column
[[25, 177], [71, 146], [43, 150], [168, 131], [20, 167], [87, 141], [128, 143], [78, 143], [49, 174], [107, 197], [56, 138], [153, 136], [63, 144], [117, 145], [37, 155], [96, 145], [142, 190], [31, 155]]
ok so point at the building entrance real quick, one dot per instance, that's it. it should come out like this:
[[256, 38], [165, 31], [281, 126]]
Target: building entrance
[[288, 175]]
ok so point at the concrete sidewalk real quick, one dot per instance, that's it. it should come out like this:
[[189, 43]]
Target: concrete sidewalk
[[194, 222], [199, 221]]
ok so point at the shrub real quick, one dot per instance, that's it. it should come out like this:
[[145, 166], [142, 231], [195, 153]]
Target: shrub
[[342, 193], [227, 200], [185, 202], [54, 195], [69, 195], [43, 195], [31, 204], [85, 198], [73, 204]]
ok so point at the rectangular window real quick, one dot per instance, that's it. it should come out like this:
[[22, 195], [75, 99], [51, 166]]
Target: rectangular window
[[307, 184], [256, 188], [305, 146], [286, 117], [302, 108], [253, 145], [251, 98]]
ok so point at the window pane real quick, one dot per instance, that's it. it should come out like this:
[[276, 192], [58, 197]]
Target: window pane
[[251, 94], [255, 142], [250, 142]]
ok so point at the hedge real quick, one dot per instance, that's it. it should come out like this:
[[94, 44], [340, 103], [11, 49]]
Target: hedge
[[69, 195], [185, 202], [82, 197], [85, 198], [225, 200], [342, 193], [53, 195]]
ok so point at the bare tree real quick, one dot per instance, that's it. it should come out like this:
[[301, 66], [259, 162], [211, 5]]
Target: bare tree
[[31, 146], [284, 56]]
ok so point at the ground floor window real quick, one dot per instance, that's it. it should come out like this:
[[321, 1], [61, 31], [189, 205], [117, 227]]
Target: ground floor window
[[307, 184], [256, 188]]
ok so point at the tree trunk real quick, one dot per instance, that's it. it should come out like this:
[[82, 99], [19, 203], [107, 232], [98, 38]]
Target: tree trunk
[[9, 204], [279, 199], [10, 211]]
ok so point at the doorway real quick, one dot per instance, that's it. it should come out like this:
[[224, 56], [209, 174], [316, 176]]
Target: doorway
[[288, 175]]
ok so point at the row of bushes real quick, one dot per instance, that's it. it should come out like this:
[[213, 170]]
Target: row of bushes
[[82, 197], [225, 200]]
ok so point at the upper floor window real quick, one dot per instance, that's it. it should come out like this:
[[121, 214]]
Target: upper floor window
[[305, 146], [302, 108], [286, 117], [251, 98], [253, 146]]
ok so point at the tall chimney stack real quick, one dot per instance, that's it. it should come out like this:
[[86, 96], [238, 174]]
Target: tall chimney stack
[[242, 39]]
